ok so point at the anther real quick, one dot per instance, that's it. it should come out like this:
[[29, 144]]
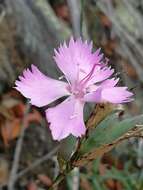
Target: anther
[[61, 77]]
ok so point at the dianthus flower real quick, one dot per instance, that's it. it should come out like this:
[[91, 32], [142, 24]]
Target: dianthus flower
[[88, 79]]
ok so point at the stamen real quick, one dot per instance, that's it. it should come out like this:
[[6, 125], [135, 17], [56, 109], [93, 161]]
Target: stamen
[[61, 77], [88, 76], [100, 69]]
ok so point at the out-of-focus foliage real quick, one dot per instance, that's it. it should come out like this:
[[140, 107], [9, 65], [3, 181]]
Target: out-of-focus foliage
[[109, 130], [103, 178]]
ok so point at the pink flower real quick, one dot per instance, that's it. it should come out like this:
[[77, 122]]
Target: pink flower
[[87, 80]]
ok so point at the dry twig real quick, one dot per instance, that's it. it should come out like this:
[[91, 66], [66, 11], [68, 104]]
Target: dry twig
[[37, 163], [17, 153]]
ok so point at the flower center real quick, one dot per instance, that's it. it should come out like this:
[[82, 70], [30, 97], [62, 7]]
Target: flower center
[[80, 87], [77, 91]]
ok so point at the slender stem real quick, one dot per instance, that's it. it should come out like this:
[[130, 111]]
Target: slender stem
[[75, 172], [58, 179]]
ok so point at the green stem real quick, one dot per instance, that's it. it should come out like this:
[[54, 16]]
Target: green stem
[[58, 179]]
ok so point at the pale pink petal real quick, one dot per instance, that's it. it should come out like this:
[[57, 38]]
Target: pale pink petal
[[40, 89], [100, 74], [76, 59], [106, 91], [114, 95], [110, 82], [66, 118], [107, 83], [94, 96]]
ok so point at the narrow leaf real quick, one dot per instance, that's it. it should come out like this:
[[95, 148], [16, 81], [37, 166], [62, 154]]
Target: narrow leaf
[[134, 132]]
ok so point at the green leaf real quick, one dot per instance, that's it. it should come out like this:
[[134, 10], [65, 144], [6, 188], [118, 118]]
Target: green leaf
[[109, 130], [67, 147]]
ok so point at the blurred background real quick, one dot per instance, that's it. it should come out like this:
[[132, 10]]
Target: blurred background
[[29, 32]]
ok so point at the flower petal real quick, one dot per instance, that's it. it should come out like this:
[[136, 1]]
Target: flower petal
[[66, 118], [100, 74], [41, 89], [114, 95], [110, 82], [107, 91], [94, 96], [76, 59]]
